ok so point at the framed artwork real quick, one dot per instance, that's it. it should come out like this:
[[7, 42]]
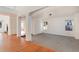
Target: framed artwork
[[0, 24], [45, 23], [68, 25]]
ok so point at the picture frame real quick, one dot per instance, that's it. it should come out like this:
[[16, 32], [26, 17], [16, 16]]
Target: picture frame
[[68, 25]]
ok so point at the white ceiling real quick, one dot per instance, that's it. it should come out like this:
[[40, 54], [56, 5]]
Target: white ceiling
[[23, 9], [56, 11]]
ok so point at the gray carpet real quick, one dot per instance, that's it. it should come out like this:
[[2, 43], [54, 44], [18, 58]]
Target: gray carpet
[[57, 42]]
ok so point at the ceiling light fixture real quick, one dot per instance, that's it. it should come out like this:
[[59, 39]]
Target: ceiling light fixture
[[50, 14]]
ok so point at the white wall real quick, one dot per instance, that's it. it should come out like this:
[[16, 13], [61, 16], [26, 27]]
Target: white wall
[[13, 24], [7, 13], [36, 27], [57, 26], [76, 25], [56, 22], [10, 21], [5, 20]]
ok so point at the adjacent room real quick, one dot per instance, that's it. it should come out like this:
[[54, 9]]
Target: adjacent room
[[57, 28]]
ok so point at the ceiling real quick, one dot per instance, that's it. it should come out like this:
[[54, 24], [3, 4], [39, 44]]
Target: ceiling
[[23, 9], [56, 11], [39, 11]]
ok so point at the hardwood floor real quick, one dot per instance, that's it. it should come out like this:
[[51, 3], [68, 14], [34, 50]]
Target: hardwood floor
[[14, 44]]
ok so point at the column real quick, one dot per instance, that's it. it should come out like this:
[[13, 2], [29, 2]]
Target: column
[[12, 29], [18, 26], [76, 26], [27, 28]]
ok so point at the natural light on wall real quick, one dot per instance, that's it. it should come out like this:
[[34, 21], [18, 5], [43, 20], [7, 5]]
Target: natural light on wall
[[44, 26]]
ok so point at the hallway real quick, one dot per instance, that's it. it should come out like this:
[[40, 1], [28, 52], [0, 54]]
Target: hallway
[[14, 44]]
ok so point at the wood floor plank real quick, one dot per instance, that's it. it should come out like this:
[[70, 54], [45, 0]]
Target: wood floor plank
[[14, 44]]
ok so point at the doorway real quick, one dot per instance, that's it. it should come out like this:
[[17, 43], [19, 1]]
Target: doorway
[[22, 29]]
